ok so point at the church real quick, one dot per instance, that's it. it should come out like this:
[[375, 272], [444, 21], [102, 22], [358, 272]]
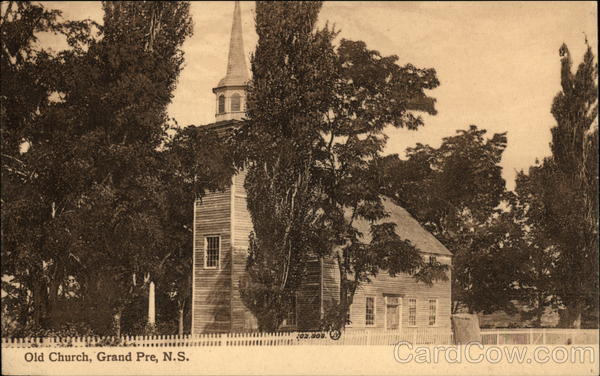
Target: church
[[220, 242]]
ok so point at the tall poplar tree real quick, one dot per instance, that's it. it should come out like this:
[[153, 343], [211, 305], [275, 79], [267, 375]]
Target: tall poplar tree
[[278, 144], [564, 189]]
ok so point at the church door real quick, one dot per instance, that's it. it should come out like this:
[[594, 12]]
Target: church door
[[393, 306]]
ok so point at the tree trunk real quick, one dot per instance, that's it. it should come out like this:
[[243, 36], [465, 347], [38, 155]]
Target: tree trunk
[[343, 300], [454, 307], [53, 303], [37, 292], [540, 311], [117, 322], [538, 318], [576, 315]]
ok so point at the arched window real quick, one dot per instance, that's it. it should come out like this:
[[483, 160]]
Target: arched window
[[235, 102], [221, 104]]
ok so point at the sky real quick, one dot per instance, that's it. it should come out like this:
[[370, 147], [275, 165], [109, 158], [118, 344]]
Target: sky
[[497, 62]]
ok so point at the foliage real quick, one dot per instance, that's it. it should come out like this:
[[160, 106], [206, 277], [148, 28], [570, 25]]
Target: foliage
[[537, 281], [313, 146], [40, 176], [276, 145], [371, 93], [132, 78], [561, 193], [65, 330], [195, 160], [455, 191], [92, 184]]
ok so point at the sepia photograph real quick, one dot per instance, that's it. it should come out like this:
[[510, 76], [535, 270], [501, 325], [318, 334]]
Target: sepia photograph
[[299, 188]]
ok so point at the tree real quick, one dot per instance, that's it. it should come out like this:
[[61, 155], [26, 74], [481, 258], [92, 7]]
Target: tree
[[574, 158], [563, 189], [312, 145], [455, 191], [86, 205], [277, 145], [132, 73], [39, 176], [537, 282], [371, 93]]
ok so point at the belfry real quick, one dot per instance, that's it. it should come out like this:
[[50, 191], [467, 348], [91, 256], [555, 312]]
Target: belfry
[[231, 90]]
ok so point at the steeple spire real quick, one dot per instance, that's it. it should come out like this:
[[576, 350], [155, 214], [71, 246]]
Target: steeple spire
[[231, 90], [237, 72]]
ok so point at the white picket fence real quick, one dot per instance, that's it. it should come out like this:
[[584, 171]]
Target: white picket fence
[[539, 336], [364, 337]]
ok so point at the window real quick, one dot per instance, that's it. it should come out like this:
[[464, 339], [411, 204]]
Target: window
[[212, 249], [432, 259], [221, 104], [412, 312], [370, 311], [235, 102], [432, 311]]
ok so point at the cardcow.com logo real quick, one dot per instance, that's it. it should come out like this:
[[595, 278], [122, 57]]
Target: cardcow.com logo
[[475, 352]]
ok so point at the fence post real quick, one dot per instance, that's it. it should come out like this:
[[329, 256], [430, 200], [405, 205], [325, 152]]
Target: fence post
[[543, 336], [530, 336], [368, 337]]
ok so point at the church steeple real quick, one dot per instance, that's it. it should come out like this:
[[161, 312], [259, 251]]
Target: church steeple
[[237, 73], [231, 90]]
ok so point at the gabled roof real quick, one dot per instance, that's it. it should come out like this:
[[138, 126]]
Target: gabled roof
[[407, 227]]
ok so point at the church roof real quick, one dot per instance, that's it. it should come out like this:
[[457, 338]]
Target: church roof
[[223, 127], [407, 227], [221, 124], [237, 72]]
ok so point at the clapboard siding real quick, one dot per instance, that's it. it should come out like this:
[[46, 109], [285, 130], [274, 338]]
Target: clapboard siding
[[405, 287], [212, 287], [402, 285], [241, 319], [241, 216], [217, 306], [331, 283]]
